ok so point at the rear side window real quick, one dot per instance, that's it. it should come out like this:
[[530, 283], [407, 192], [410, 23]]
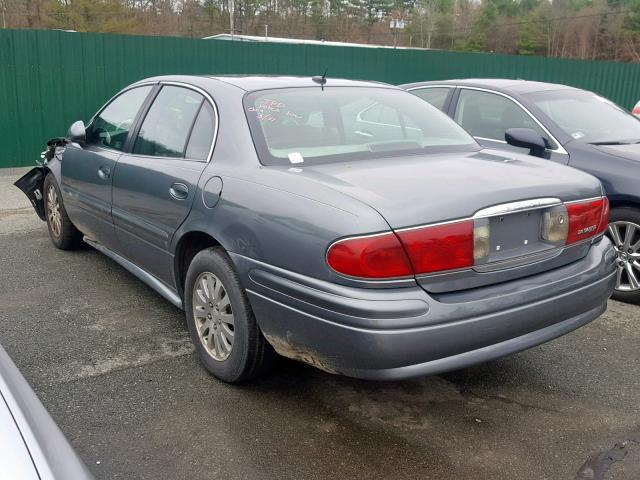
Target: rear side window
[[436, 96], [202, 134], [487, 115], [111, 126], [166, 127]]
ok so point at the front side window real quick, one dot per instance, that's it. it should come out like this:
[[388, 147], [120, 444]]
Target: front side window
[[488, 115], [297, 125], [111, 126], [588, 117], [436, 96], [166, 127]]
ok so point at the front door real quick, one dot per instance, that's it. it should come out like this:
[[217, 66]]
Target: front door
[[488, 115], [155, 184], [87, 170]]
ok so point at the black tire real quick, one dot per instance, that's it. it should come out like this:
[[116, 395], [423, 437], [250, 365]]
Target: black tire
[[250, 353], [632, 215], [64, 235]]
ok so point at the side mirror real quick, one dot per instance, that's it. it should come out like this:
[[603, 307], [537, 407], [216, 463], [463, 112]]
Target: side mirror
[[527, 138], [77, 133]]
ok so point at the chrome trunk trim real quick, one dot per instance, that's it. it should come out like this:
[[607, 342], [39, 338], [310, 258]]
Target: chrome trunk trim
[[514, 207]]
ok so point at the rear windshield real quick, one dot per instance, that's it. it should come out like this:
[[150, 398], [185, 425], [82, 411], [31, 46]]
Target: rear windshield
[[311, 125]]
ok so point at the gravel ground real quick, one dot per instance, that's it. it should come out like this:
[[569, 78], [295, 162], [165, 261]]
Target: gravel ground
[[113, 363]]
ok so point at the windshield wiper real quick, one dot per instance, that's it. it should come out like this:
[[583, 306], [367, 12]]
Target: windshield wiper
[[611, 142]]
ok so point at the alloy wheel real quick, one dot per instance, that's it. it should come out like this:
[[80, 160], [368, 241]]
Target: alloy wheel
[[53, 212], [626, 241], [213, 316]]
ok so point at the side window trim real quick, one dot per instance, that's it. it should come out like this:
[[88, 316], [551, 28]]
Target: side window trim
[[147, 106], [559, 148], [142, 114], [152, 93], [478, 137], [447, 101], [453, 103]]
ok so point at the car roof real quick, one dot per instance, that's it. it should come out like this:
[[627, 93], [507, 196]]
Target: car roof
[[261, 82], [500, 84]]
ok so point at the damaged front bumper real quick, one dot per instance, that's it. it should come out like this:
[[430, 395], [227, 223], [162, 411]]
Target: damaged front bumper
[[32, 183]]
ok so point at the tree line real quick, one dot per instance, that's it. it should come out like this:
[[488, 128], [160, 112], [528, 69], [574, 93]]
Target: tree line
[[585, 29]]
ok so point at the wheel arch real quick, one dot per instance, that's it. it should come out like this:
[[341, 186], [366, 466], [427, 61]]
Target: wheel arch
[[627, 262], [54, 166], [187, 247], [624, 202]]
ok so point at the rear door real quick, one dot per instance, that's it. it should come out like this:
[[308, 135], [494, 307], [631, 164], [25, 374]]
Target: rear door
[[438, 96], [87, 171], [488, 115], [154, 184]]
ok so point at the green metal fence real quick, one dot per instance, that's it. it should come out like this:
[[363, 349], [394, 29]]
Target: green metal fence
[[48, 79]]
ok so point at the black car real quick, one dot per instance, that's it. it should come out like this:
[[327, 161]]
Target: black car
[[563, 124]]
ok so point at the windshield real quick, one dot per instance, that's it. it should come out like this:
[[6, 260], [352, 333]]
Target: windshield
[[588, 117], [301, 125]]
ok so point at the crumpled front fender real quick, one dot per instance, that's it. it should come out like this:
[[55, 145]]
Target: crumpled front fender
[[32, 184]]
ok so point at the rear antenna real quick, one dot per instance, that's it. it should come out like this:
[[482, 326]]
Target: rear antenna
[[321, 79]]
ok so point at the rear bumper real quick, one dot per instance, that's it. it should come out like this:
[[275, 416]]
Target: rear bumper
[[397, 333]]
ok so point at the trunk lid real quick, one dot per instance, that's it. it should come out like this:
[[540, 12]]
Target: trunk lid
[[419, 190], [422, 190]]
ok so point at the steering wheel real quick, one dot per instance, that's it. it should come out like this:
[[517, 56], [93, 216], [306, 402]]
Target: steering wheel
[[125, 124], [104, 136], [291, 121]]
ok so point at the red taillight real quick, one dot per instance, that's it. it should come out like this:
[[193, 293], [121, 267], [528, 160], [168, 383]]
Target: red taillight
[[453, 245], [604, 218], [429, 249], [587, 219], [374, 256], [439, 247]]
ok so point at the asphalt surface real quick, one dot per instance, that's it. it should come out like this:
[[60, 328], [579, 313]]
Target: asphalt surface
[[113, 363]]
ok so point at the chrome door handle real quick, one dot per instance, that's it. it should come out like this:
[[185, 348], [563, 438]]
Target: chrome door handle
[[179, 191], [104, 173]]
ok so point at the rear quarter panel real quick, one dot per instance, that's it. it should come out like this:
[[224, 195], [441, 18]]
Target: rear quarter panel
[[619, 176], [284, 227]]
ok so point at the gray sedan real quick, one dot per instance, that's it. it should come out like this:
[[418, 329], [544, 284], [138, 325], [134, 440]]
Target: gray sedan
[[32, 447], [346, 224]]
